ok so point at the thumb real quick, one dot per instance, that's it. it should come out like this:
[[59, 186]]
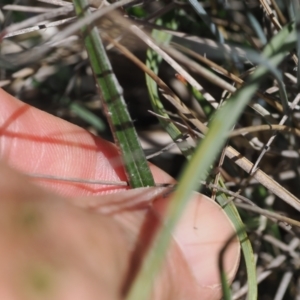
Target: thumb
[[52, 249], [191, 265]]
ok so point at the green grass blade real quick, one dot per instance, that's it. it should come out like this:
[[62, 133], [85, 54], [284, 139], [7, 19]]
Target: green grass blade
[[125, 136], [86, 115], [257, 28], [199, 165], [152, 62], [233, 214], [206, 19]]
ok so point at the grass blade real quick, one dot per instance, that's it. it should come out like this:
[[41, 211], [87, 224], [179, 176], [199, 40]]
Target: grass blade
[[206, 19], [124, 133], [199, 165], [153, 60]]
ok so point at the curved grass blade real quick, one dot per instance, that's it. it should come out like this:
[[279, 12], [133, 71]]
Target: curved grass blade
[[246, 246], [153, 60], [199, 165], [257, 28], [125, 136], [206, 19], [85, 114]]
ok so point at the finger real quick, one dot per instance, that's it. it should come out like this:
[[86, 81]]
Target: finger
[[53, 250], [202, 232], [36, 142], [191, 268]]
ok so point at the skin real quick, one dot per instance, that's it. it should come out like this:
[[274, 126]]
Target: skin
[[77, 241]]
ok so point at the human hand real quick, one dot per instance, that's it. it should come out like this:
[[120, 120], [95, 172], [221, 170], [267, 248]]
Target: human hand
[[64, 240]]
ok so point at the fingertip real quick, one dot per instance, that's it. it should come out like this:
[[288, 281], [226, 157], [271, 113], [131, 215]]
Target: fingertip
[[201, 233]]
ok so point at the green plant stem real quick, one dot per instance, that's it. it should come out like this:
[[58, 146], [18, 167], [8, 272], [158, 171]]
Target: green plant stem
[[125, 136]]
